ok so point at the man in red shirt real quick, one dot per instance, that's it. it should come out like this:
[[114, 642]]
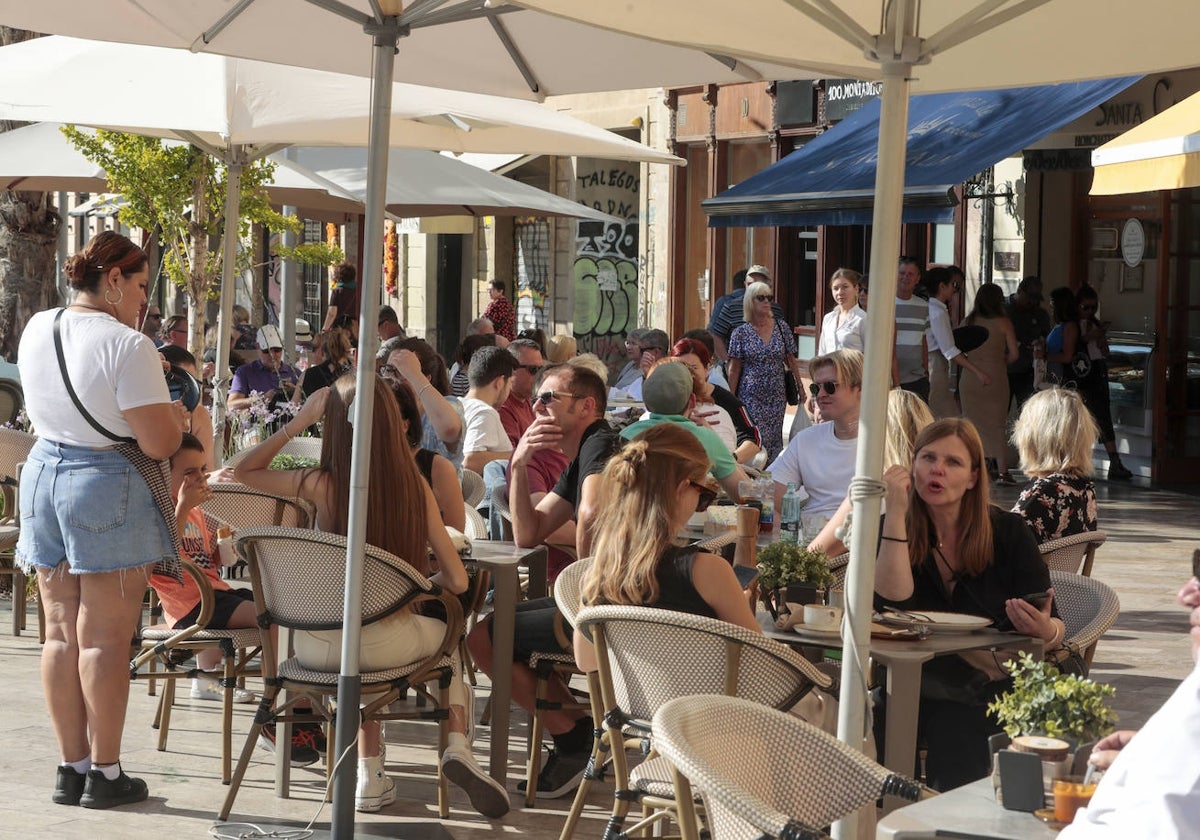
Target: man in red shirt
[[516, 413], [500, 311]]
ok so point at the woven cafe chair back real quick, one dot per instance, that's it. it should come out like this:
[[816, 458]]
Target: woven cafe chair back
[[763, 772], [1088, 607], [241, 507], [1073, 554]]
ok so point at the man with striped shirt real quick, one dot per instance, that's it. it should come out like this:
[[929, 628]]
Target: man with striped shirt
[[912, 320]]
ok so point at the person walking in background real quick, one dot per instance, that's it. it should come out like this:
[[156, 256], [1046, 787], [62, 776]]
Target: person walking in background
[[1055, 435], [943, 283], [911, 371], [95, 517], [728, 312], [344, 299], [1031, 324], [986, 404], [500, 311], [760, 352], [1073, 356], [844, 326]]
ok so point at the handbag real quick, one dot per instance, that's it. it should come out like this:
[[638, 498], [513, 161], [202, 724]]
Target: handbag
[[790, 386], [154, 473]]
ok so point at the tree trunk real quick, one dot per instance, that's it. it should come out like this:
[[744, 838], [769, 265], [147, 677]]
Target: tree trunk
[[28, 235]]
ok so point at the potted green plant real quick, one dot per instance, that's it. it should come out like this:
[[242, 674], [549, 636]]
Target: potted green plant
[[1044, 701], [789, 572]]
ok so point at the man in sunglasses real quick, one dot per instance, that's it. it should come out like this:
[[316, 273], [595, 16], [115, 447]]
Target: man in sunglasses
[[490, 374], [517, 411], [654, 345], [569, 422], [820, 459], [268, 374], [1151, 784], [670, 397]]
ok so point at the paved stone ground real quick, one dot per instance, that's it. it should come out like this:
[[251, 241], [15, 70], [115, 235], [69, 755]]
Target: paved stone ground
[[1146, 560]]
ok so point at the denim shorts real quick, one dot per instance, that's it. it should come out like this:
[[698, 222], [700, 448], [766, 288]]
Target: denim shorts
[[90, 508]]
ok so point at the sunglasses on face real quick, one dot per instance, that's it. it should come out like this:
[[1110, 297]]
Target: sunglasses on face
[[651, 349], [816, 387], [272, 350], [389, 371], [707, 495], [761, 298], [546, 397]]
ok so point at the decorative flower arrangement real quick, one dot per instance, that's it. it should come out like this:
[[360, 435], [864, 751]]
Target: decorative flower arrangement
[[257, 421], [782, 565], [391, 257], [1044, 701]]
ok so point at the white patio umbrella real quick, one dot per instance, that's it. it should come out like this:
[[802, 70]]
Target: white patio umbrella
[[239, 110]]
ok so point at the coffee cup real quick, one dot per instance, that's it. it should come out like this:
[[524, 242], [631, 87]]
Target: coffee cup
[[821, 617]]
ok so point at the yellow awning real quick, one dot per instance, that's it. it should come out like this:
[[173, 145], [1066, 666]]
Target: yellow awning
[[1162, 153]]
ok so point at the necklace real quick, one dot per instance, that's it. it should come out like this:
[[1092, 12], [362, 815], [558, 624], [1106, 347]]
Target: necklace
[[93, 308]]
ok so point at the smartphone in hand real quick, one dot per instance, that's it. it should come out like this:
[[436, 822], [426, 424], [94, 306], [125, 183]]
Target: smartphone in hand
[[1037, 599]]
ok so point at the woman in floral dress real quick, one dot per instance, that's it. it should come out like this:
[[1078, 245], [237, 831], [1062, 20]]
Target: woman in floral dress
[[760, 351], [1055, 435]]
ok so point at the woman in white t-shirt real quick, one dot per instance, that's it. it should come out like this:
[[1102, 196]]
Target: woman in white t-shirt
[[842, 328], [90, 523]]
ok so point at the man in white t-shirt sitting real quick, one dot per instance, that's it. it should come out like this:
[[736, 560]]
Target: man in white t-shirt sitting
[[821, 458], [484, 439]]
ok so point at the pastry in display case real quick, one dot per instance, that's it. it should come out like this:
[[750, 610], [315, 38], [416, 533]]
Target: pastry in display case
[[1128, 377]]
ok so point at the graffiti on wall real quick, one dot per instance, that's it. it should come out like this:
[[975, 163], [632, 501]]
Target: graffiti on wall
[[531, 255], [606, 259]]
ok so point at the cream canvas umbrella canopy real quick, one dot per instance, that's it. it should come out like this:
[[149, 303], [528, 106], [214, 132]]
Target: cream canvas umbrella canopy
[[239, 109], [1163, 153]]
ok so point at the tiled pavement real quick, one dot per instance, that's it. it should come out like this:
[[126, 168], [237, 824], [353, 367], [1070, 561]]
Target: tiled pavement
[[1147, 558]]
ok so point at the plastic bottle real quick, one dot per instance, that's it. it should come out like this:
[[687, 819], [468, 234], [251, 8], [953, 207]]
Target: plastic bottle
[[766, 519], [789, 515], [302, 362]]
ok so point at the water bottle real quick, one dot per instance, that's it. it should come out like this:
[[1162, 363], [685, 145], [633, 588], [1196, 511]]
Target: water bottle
[[789, 515], [302, 362], [766, 519]]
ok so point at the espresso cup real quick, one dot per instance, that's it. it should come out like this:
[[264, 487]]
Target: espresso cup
[[821, 617]]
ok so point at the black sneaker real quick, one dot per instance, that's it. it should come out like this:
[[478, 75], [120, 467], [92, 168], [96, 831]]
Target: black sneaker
[[1118, 471], [303, 752], [68, 786], [561, 774], [99, 792]]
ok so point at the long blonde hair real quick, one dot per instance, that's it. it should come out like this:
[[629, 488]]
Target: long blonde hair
[[639, 488], [907, 416], [975, 532]]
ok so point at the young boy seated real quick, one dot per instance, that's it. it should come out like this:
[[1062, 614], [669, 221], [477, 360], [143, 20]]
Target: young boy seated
[[233, 608]]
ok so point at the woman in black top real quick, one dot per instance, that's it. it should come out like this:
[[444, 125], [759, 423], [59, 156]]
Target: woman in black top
[[330, 359], [439, 473], [944, 547], [650, 489]]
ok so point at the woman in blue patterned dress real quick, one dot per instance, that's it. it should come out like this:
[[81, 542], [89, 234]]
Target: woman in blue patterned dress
[[760, 351]]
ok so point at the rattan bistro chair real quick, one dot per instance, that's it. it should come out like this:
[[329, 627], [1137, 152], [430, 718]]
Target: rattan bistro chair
[[14, 450], [299, 583], [473, 487], [764, 773], [1074, 554], [158, 645], [299, 447], [239, 506], [1088, 607], [647, 656]]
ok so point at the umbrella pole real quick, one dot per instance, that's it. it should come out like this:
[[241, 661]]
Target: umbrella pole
[[386, 36], [233, 194], [866, 490]]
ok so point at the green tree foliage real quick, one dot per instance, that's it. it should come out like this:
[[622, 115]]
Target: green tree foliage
[[179, 190]]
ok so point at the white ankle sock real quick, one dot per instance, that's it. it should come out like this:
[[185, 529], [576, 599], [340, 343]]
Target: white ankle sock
[[112, 772], [81, 766], [457, 739]]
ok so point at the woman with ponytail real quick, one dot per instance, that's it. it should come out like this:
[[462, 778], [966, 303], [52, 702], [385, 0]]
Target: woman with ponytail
[[649, 490]]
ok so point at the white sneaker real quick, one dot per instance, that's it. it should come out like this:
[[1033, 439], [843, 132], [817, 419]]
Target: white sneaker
[[208, 688], [487, 796], [375, 788]]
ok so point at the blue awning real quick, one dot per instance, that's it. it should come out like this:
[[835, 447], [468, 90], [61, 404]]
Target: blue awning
[[951, 137]]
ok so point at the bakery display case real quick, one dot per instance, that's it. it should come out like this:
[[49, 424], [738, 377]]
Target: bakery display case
[[1130, 381]]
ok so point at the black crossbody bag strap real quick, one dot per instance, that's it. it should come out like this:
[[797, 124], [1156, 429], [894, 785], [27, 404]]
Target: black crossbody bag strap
[[62, 367]]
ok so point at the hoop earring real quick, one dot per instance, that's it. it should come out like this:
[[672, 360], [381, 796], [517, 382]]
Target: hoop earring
[[117, 302]]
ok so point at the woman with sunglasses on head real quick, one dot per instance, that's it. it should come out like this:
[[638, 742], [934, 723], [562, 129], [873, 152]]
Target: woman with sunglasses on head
[[760, 352], [733, 422], [987, 405], [328, 362], [648, 491], [944, 547], [943, 283]]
